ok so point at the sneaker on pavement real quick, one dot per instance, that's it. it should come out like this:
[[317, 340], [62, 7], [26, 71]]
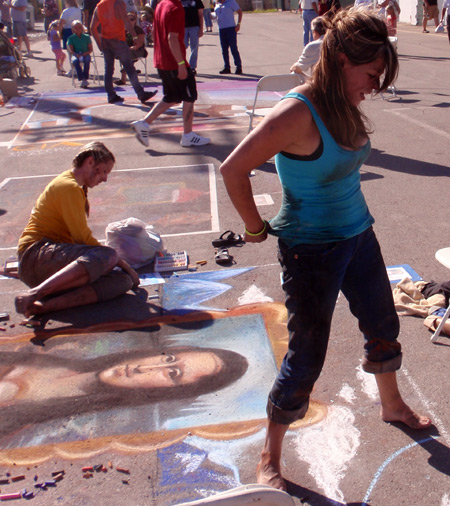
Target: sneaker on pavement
[[69, 73], [225, 70], [84, 83], [115, 99], [193, 139], [148, 95], [238, 70], [142, 131]]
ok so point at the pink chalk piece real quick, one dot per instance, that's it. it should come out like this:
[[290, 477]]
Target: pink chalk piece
[[7, 497]]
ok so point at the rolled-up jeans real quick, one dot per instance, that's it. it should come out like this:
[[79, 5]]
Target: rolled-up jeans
[[113, 48], [313, 275]]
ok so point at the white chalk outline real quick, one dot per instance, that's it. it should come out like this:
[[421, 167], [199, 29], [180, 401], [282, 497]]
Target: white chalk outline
[[214, 207]]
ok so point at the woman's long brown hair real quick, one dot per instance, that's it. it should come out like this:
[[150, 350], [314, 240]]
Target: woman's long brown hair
[[362, 37]]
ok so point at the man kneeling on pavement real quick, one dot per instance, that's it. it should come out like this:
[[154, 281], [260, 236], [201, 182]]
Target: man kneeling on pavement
[[58, 255]]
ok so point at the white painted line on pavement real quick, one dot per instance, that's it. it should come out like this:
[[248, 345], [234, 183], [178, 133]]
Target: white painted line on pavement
[[24, 123], [437, 422], [419, 123]]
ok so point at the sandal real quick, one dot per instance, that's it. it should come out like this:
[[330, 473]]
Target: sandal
[[225, 240], [222, 257], [119, 82]]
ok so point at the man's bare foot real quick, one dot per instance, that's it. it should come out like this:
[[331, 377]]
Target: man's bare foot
[[407, 416], [26, 304], [268, 474]]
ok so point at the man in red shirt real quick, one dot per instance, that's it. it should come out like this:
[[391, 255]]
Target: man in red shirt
[[111, 16], [178, 80]]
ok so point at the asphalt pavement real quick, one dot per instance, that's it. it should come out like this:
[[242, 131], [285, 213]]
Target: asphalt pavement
[[174, 448]]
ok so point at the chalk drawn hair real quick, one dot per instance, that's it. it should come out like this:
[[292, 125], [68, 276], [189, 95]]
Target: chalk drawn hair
[[99, 396]]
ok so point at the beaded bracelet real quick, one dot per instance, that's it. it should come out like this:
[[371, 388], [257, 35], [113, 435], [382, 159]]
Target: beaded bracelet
[[259, 233]]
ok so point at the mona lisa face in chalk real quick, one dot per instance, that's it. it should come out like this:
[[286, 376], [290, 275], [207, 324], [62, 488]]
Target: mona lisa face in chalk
[[167, 370]]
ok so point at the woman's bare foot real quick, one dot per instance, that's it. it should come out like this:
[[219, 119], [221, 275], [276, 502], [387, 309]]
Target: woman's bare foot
[[27, 304], [269, 474], [407, 416]]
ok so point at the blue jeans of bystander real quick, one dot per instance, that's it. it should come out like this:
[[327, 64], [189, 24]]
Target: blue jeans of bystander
[[82, 73], [119, 49], [191, 40], [228, 41]]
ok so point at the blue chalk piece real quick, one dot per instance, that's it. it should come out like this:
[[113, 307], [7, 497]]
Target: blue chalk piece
[[50, 483], [28, 495]]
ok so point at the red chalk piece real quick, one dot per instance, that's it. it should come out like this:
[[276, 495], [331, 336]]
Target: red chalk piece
[[87, 468], [123, 470], [18, 478]]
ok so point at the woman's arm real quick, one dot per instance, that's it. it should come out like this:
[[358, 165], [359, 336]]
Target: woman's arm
[[282, 130]]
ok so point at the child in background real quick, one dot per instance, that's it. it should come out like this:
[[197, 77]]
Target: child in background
[[391, 21], [55, 43], [146, 25]]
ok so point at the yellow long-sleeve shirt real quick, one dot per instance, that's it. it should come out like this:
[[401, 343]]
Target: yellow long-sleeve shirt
[[59, 214]]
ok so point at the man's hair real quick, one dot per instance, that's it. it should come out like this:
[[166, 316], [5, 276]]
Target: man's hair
[[362, 37], [71, 3], [318, 25], [97, 150]]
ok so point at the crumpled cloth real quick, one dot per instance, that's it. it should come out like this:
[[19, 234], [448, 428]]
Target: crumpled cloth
[[409, 299]]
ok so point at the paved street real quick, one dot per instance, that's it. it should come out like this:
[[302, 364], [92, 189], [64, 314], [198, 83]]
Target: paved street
[[181, 447]]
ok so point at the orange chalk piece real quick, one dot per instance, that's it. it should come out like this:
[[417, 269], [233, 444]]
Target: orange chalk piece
[[123, 470], [18, 478], [87, 468]]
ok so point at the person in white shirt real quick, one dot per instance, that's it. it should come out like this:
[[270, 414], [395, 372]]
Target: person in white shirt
[[309, 10], [311, 52], [364, 3]]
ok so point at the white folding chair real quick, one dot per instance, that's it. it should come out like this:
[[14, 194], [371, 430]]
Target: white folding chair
[[144, 64], [442, 256], [275, 82]]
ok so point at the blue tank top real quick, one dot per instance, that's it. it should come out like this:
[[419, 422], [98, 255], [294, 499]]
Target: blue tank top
[[322, 197]]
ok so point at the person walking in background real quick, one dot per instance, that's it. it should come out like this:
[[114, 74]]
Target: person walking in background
[[207, 16], [55, 44], [109, 23], [311, 52], [228, 30], [80, 48], [5, 16], [136, 45], [430, 11], [309, 9], [193, 28], [326, 245], [50, 12], [177, 78], [19, 24], [87, 10]]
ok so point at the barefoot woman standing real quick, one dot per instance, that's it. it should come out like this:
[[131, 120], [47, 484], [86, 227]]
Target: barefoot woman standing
[[319, 137]]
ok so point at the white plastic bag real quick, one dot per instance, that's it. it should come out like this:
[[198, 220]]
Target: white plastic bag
[[134, 241]]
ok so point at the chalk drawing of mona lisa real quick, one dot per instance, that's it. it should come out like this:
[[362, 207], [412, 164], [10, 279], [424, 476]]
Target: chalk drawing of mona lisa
[[99, 385]]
